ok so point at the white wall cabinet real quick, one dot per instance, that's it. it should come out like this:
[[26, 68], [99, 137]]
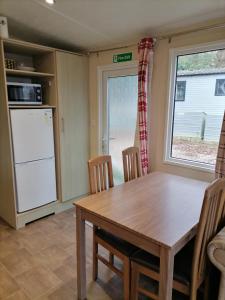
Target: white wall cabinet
[[72, 83]]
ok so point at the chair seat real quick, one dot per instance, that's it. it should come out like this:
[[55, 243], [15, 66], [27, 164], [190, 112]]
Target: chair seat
[[117, 243], [182, 262]]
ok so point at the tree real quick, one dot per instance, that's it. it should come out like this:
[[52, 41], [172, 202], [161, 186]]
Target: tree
[[202, 61]]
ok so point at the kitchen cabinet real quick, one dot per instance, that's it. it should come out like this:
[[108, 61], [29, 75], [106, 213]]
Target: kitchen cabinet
[[72, 83], [64, 80]]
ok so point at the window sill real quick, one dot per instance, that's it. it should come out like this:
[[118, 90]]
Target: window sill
[[190, 165]]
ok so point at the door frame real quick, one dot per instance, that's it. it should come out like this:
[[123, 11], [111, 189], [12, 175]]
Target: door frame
[[100, 77]]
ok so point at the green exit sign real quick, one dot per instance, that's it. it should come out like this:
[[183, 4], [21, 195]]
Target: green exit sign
[[117, 58]]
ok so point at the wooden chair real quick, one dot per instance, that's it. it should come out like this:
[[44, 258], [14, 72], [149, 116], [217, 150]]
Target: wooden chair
[[131, 163], [186, 280], [101, 178]]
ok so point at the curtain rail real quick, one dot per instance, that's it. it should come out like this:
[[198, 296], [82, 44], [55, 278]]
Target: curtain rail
[[167, 36]]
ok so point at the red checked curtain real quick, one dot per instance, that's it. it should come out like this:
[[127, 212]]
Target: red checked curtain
[[220, 160], [144, 49]]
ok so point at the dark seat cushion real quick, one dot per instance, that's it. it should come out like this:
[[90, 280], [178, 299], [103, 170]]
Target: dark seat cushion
[[117, 243], [182, 262]]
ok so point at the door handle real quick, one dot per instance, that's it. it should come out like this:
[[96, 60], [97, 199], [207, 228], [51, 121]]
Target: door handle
[[62, 125], [104, 145]]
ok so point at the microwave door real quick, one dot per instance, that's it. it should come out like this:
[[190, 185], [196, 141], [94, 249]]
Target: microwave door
[[28, 94], [24, 93], [16, 94]]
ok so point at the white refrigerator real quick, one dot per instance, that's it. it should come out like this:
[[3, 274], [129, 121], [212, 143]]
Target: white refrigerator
[[34, 157]]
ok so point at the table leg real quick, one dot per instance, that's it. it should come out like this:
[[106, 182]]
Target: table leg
[[166, 274], [81, 255]]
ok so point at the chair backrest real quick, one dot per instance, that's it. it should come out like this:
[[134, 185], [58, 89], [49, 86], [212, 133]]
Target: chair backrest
[[212, 216], [100, 173], [131, 163]]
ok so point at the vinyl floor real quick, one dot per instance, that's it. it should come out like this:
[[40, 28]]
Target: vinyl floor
[[38, 262]]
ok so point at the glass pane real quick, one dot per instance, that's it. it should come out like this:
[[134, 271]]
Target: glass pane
[[199, 106], [122, 99]]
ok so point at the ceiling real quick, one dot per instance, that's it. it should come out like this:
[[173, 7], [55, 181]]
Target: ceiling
[[97, 24]]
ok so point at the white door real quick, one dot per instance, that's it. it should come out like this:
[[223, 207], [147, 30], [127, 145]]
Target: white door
[[35, 184], [119, 115], [32, 134]]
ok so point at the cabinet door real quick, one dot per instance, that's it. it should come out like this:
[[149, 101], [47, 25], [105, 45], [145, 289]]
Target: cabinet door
[[72, 76]]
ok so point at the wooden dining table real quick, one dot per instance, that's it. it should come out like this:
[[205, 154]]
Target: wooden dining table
[[158, 212]]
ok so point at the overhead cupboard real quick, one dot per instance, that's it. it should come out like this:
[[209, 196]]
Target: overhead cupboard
[[44, 142]]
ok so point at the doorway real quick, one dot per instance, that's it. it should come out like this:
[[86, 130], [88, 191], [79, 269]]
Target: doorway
[[119, 115]]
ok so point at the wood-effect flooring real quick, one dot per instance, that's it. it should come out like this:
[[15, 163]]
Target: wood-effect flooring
[[39, 262]]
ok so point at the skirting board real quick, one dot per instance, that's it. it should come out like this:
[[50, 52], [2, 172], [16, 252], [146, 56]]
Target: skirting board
[[40, 212], [67, 204], [34, 214]]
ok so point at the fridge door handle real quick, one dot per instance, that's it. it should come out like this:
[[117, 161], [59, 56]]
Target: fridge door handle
[[22, 163]]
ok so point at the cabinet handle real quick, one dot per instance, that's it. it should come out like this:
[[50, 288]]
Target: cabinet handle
[[62, 126]]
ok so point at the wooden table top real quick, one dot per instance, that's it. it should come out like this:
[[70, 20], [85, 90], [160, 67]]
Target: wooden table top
[[160, 206]]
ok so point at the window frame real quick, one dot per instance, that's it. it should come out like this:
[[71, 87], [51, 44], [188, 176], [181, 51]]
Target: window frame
[[173, 59]]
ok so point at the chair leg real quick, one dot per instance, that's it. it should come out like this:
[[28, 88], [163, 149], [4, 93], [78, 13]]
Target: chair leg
[[126, 278], [111, 259], [222, 287], [134, 281], [95, 259], [206, 288], [193, 295]]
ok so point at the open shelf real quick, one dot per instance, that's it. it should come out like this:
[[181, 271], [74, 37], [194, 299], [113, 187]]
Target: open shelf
[[17, 46], [31, 106], [28, 73]]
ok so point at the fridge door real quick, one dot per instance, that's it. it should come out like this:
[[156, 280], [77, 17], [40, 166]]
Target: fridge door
[[36, 184], [32, 132]]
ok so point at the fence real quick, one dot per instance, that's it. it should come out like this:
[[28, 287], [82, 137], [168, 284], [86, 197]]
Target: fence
[[197, 125]]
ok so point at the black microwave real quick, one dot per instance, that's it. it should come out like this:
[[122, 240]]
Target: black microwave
[[24, 93]]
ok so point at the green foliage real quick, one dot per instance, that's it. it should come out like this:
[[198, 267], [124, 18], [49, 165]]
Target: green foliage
[[202, 61]]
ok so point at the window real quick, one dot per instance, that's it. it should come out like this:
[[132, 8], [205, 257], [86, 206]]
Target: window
[[220, 87], [180, 90], [195, 119]]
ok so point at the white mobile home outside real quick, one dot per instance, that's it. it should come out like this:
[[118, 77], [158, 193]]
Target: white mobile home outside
[[200, 112]]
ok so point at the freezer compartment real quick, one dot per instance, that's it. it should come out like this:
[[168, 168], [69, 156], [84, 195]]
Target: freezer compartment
[[32, 132], [36, 185]]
